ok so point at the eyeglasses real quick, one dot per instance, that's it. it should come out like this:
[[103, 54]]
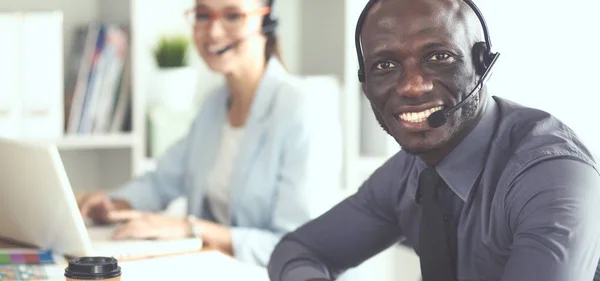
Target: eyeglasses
[[231, 19]]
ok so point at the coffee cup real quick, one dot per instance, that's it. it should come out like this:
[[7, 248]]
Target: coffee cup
[[93, 268]]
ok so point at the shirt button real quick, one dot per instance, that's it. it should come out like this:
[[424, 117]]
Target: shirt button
[[446, 218]]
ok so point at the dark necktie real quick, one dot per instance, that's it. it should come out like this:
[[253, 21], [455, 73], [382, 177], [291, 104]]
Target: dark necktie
[[436, 255]]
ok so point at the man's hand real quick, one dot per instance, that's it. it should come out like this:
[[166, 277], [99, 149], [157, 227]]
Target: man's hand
[[97, 206], [143, 225]]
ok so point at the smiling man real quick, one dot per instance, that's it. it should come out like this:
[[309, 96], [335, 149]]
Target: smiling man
[[483, 189]]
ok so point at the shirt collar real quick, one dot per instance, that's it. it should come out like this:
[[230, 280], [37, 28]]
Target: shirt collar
[[461, 167]]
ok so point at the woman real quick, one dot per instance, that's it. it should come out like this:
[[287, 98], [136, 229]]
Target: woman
[[256, 163]]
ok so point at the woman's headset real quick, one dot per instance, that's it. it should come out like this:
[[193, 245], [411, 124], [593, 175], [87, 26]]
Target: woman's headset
[[269, 23], [481, 52]]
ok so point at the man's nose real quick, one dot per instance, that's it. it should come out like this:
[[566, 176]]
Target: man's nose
[[414, 84]]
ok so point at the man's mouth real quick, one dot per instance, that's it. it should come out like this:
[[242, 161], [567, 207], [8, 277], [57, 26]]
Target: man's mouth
[[418, 117]]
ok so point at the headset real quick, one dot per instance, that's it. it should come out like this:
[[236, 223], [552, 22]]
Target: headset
[[482, 51], [269, 25], [483, 59]]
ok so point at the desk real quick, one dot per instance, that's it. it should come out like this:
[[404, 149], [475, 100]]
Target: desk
[[204, 265], [5, 244]]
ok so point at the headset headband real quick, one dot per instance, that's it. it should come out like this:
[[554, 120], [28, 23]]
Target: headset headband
[[363, 14], [269, 22]]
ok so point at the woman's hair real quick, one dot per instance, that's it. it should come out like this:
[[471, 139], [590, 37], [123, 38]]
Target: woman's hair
[[272, 47]]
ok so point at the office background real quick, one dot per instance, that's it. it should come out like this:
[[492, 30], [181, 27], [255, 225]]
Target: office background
[[549, 61]]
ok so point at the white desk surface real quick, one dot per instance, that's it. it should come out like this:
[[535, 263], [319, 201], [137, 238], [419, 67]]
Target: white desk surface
[[205, 265], [210, 265]]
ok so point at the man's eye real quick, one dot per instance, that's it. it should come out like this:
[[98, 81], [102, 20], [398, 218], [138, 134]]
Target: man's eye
[[441, 57], [385, 65]]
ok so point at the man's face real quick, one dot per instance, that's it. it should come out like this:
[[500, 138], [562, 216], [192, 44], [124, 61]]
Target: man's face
[[417, 61]]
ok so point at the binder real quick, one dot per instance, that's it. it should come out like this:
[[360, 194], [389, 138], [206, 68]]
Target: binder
[[43, 79], [31, 75], [10, 75]]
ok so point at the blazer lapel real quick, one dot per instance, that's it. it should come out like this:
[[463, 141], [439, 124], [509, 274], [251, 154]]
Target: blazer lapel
[[256, 129], [211, 127]]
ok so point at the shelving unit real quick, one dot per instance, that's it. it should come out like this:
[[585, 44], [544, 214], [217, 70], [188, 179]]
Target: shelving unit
[[117, 141], [366, 146], [307, 58], [105, 161]]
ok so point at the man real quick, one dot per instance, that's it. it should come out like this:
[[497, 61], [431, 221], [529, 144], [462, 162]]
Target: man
[[497, 192]]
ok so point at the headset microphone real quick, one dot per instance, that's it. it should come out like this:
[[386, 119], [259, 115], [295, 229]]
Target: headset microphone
[[440, 117], [229, 47], [265, 29], [269, 25]]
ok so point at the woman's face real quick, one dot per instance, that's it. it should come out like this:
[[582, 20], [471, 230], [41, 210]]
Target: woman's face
[[219, 24]]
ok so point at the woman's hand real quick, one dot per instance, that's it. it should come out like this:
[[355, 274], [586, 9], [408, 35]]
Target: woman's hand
[[215, 236], [97, 207], [143, 225]]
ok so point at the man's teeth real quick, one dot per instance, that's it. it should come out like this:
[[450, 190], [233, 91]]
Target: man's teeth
[[418, 117]]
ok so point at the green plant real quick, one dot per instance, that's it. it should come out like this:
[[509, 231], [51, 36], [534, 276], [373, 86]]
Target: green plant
[[171, 51]]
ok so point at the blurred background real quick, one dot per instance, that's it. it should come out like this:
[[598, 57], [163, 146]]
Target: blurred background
[[112, 109]]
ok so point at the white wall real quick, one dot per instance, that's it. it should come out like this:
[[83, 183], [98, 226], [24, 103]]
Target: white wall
[[322, 37], [549, 58], [289, 32]]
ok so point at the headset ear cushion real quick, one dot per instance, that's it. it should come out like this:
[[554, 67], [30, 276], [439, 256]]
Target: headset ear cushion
[[481, 57], [269, 27]]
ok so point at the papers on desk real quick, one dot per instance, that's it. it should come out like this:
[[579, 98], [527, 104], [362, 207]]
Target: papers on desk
[[205, 266], [20, 264], [135, 249]]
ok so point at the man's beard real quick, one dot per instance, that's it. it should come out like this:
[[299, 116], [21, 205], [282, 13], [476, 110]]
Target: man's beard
[[468, 111]]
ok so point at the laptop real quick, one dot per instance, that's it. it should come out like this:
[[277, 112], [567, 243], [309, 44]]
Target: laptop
[[38, 208]]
